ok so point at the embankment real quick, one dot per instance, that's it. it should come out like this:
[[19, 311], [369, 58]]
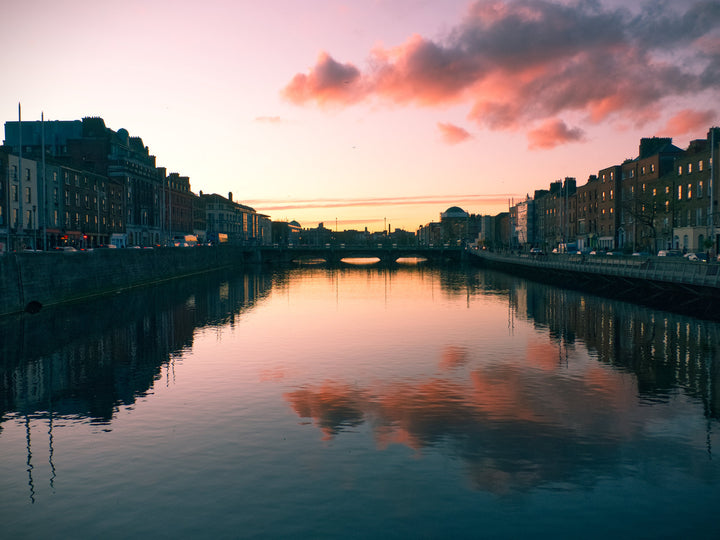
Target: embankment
[[668, 283], [29, 279]]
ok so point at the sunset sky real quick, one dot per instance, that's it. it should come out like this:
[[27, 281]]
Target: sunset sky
[[371, 111]]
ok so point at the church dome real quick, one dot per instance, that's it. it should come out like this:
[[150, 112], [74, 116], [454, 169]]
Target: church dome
[[454, 212]]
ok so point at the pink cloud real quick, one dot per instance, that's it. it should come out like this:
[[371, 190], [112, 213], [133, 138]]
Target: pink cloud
[[452, 134], [515, 63], [553, 133], [690, 121], [269, 119], [329, 82]]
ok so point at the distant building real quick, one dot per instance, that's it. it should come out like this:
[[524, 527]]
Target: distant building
[[224, 216], [285, 232]]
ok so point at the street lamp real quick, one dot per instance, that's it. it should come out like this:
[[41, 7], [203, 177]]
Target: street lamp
[[99, 194], [34, 227]]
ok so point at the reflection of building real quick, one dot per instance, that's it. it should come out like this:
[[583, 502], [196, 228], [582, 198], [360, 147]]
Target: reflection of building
[[109, 352]]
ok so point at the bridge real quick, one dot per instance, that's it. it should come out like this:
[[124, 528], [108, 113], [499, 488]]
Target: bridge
[[334, 254]]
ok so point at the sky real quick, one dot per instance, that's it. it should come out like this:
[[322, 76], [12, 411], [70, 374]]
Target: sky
[[371, 113]]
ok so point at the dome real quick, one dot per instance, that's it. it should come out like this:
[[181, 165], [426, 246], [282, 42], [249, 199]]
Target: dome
[[454, 212]]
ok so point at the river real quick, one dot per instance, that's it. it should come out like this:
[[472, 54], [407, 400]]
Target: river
[[358, 402]]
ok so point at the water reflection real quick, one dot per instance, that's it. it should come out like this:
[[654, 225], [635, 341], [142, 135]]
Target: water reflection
[[577, 385], [85, 360], [566, 411]]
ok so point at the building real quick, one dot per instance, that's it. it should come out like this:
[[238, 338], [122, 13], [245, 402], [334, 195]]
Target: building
[[640, 186], [239, 223], [693, 186], [285, 232], [110, 182]]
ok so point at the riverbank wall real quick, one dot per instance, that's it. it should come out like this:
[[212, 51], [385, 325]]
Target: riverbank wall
[[29, 281], [669, 283]]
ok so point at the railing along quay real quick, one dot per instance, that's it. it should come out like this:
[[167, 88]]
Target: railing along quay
[[659, 270]]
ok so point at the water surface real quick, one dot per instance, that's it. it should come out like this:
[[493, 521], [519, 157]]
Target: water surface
[[358, 402]]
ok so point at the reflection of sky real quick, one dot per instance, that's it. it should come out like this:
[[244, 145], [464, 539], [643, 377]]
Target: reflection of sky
[[525, 425], [540, 411]]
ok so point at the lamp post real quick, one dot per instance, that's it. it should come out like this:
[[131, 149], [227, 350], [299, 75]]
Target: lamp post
[[99, 194], [34, 225]]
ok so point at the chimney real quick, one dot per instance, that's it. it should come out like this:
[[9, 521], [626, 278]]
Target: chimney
[[230, 196]]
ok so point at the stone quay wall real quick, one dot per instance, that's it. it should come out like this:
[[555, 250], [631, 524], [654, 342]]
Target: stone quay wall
[[31, 280]]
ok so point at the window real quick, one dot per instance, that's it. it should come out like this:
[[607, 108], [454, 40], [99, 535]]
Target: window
[[612, 175], [643, 188], [14, 217], [700, 165], [700, 189], [14, 172], [698, 216], [28, 195], [612, 194], [77, 180], [55, 177], [29, 219], [612, 210], [667, 206], [689, 168], [654, 192], [14, 193], [67, 220], [642, 170], [689, 192], [679, 193], [55, 195], [55, 218], [603, 196], [667, 190], [27, 175], [679, 170], [652, 167], [603, 177], [67, 178]]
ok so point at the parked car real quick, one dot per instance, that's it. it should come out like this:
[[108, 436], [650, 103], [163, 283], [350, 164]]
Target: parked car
[[697, 257], [669, 253]]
